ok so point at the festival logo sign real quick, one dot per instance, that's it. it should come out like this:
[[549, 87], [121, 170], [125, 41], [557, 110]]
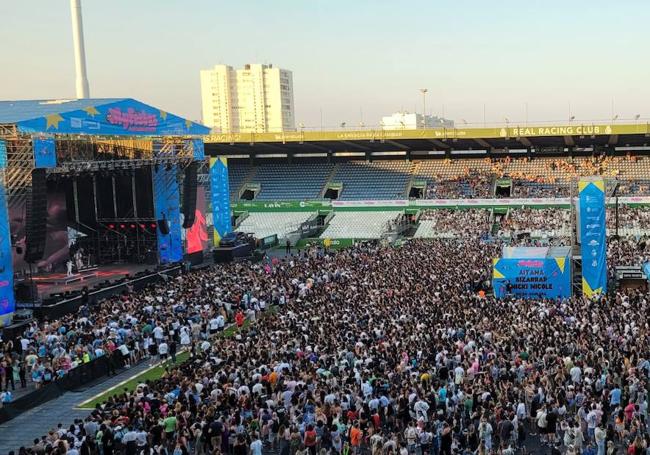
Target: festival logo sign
[[132, 120]]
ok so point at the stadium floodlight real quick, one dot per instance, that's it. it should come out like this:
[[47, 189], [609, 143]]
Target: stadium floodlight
[[424, 104], [301, 125], [463, 121], [615, 118], [637, 116], [572, 118], [342, 124]]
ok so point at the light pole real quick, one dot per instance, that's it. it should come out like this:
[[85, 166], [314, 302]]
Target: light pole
[[424, 106]]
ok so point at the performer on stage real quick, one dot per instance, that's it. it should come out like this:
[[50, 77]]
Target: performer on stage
[[69, 265], [78, 258]]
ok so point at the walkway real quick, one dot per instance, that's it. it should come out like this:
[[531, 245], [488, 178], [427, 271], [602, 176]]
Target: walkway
[[22, 430]]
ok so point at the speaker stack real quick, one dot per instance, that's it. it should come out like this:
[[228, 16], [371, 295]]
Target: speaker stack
[[36, 223], [189, 194]]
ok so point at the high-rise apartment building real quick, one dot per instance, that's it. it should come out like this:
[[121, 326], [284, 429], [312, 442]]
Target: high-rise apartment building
[[257, 98]]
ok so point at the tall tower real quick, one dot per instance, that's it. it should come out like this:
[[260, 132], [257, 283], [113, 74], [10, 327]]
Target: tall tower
[[81, 80]]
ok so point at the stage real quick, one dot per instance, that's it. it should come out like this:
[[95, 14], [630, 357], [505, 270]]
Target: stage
[[48, 284]]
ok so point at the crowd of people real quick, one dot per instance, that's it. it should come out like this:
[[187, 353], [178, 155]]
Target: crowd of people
[[536, 177], [457, 223], [372, 350], [546, 222]]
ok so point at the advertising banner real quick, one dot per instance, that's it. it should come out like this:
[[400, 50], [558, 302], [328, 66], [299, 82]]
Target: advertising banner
[[548, 278], [166, 198], [591, 192], [3, 154], [220, 197], [280, 206], [199, 149], [44, 152]]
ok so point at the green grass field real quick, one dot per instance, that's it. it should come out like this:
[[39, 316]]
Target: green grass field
[[157, 372]]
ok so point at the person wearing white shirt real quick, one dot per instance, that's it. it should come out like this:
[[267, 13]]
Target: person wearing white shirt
[[163, 349]]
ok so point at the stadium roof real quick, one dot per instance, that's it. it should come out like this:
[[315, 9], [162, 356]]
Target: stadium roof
[[440, 139], [95, 116]]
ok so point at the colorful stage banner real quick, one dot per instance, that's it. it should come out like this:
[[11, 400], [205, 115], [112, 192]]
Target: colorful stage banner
[[199, 149], [110, 117], [220, 191], [532, 278], [167, 205], [3, 154], [44, 152], [7, 300], [593, 240]]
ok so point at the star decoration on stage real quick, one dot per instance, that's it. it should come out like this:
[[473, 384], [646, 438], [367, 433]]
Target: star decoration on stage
[[53, 120], [163, 115], [91, 111]]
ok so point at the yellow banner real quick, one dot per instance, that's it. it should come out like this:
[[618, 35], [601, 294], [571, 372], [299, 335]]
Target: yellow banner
[[435, 133]]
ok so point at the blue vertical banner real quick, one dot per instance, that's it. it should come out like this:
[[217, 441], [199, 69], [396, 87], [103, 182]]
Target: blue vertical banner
[[7, 299], [44, 152], [167, 199], [220, 191], [199, 149], [593, 246], [3, 154]]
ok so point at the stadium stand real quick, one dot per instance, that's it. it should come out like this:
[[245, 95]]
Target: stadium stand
[[292, 181], [237, 175], [264, 224], [444, 223], [376, 180], [360, 225], [445, 178], [537, 223]]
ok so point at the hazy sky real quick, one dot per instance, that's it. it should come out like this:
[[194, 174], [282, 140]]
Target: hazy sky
[[349, 57]]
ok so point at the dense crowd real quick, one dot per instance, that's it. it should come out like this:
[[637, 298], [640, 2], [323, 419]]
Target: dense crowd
[[372, 349], [548, 222], [458, 223]]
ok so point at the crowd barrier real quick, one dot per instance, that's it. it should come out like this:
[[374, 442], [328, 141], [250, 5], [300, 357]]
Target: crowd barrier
[[74, 379]]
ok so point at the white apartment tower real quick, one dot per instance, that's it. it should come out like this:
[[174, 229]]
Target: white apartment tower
[[257, 98]]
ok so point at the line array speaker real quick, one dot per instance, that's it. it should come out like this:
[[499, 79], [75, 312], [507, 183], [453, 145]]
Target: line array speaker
[[36, 219], [189, 194]]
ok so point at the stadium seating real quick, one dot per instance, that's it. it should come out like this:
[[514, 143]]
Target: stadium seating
[[445, 178], [376, 180], [264, 224], [360, 225], [282, 182], [237, 174]]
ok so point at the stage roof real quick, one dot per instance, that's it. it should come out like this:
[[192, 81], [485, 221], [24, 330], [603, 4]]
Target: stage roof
[[95, 116], [439, 139]]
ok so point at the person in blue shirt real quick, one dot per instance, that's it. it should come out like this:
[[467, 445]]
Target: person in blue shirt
[[615, 397]]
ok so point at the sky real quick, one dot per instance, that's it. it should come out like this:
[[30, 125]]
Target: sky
[[352, 60]]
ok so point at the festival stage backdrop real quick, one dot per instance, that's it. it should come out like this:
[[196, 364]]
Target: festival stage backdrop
[[593, 239], [220, 189], [56, 243], [533, 274], [167, 206]]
